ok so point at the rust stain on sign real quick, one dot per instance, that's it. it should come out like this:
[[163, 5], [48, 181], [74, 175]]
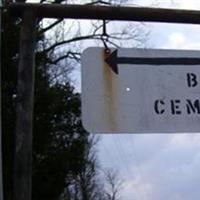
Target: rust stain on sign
[[110, 93]]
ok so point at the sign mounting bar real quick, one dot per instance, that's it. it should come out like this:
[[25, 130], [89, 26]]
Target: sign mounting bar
[[107, 13]]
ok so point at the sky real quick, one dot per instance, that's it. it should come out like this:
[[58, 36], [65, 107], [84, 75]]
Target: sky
[[158, 166]]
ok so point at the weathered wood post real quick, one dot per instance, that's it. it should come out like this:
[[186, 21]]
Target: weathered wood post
[[25, 98]]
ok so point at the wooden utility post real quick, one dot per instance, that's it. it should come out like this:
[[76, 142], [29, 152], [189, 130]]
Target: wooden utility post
[[25, 92]]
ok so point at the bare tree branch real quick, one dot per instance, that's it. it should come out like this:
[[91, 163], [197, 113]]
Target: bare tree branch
[[98, 2], [50, 26], [113, 185], [70, 55], [97, 36]]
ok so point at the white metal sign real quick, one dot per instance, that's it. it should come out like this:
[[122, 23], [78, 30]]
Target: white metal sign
[[141, 91]]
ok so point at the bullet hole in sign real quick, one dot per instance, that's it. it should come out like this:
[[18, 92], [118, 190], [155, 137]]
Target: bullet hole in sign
[[128, 89]]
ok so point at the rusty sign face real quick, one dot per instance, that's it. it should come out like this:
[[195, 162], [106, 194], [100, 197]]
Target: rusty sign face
[[140, 91]]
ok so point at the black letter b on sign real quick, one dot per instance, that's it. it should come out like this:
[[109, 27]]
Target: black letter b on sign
[[192, 80]]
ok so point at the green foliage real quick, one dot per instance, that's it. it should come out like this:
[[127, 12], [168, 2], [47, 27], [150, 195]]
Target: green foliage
[[59, 140]]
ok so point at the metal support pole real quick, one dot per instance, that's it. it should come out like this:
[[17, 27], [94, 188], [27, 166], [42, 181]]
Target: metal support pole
[[25, 92], [108, 13]]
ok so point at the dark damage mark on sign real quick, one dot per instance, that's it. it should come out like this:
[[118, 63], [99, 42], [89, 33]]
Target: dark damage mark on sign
[[113, 60]]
